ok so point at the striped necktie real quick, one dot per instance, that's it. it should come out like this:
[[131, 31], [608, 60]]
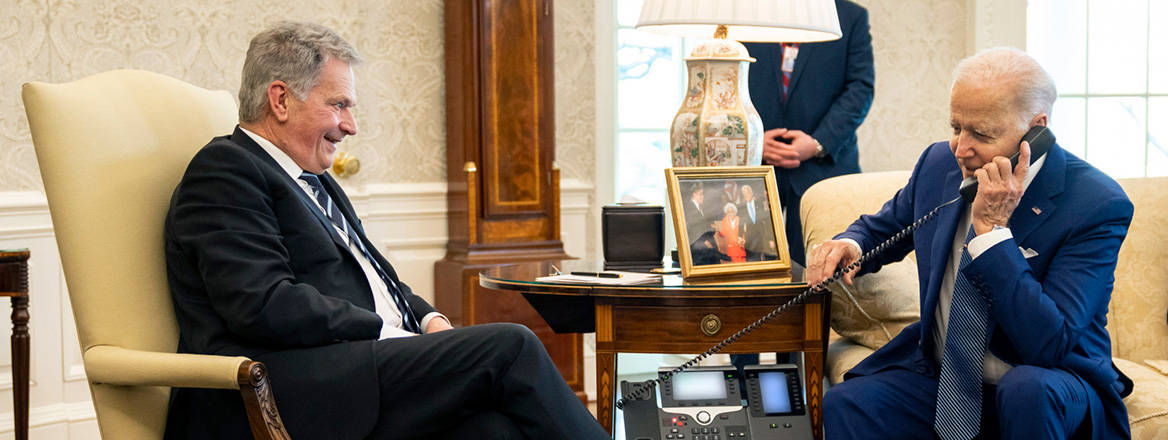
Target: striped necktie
[[790, 52], [409, 322], [959, 387]]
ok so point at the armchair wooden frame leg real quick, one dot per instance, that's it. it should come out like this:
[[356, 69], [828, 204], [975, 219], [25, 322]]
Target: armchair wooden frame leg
[[259, 402]]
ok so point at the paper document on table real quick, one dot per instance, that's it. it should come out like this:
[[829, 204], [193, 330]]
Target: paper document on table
[[607, 277]]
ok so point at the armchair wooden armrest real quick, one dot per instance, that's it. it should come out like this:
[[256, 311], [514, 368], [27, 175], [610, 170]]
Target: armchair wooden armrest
[[107, 364]]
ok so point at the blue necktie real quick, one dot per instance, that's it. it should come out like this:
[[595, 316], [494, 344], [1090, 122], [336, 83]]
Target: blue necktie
[[409, 323], [959, 387]]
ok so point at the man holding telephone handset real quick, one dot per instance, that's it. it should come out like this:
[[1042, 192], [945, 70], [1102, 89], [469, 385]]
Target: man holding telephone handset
[[1014, 284]]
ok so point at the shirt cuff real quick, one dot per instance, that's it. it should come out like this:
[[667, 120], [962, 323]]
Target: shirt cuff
[[859, 250], [429, 316], [984, 242]]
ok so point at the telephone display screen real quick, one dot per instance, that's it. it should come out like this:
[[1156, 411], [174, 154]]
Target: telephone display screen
[[699, 385], [775, 397]]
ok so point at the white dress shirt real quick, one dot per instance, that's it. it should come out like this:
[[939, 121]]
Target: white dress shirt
[[383, 303]]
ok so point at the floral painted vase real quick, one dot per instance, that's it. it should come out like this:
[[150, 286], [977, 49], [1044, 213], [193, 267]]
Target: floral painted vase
[[717, 124]]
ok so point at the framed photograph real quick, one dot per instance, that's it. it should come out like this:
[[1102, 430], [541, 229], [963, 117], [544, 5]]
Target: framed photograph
[[728, 221]]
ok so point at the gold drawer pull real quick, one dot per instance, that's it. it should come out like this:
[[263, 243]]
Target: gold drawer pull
[[711, 324]]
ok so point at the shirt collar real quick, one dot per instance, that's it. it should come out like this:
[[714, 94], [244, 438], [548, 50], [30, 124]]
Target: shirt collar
[[1032, 171], [283, 159]]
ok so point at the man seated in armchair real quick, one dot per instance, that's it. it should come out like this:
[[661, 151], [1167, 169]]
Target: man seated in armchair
[[1014, 286], [267, 259]]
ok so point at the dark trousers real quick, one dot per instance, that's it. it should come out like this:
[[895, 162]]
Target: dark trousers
[[485, 381], [1029, 403]]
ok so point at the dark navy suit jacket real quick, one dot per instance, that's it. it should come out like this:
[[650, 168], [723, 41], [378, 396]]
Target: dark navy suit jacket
[[1049, 310], [829, 95], [257, 270]]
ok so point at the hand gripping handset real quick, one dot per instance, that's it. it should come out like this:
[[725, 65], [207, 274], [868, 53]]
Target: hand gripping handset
[[1041, 140]]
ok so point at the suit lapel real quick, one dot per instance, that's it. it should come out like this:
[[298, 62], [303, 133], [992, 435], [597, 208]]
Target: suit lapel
[[801, 62], [1037, 205], [942, 245], [241, 138]]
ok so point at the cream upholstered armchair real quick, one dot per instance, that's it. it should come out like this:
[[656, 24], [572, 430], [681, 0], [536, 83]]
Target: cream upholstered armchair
[[111, 148]]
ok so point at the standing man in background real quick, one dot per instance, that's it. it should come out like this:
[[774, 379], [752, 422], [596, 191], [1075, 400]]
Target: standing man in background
[[812, 97]]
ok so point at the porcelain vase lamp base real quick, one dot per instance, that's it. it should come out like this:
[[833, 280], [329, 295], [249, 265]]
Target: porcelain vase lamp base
[[717, 124]]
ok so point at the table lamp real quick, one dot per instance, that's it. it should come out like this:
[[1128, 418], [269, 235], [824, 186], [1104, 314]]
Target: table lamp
[[717, 124]]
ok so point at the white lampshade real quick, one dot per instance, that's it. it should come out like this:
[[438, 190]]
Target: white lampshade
[[788, 21]]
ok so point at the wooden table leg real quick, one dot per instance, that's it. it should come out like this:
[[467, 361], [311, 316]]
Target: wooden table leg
[[14, 284], [813, 363], [606, 388]]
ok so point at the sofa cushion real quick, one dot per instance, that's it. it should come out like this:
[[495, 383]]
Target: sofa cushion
[[842, 355], [1147, 406], [1139, 304], [879, 305]]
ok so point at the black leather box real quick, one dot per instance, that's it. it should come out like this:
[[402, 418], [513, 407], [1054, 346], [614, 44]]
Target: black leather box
[[634, 236]]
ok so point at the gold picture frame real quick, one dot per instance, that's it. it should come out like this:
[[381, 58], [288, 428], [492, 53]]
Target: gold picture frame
[[714, 236]]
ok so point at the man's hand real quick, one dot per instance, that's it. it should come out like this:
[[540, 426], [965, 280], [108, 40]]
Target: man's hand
[[999, 189], [776, 152], [826, 258], [802, 143], [438, 324]]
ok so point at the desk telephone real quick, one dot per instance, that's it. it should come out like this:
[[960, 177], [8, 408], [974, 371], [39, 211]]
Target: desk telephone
[[635, 398], [705, 403]]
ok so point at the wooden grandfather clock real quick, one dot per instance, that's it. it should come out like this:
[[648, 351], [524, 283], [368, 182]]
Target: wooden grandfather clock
[[503, 192]]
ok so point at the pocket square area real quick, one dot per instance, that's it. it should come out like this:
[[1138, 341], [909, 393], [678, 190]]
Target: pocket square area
[[1027, 252]]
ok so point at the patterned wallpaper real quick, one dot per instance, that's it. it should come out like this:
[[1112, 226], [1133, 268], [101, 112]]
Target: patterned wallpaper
[[916, 44], [401, 125]]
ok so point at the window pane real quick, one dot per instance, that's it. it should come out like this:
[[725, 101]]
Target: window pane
[[649, 80], [1116, 136], [1158, 52], [1056, 35], [641, 159], [1158, 137], [628, 12], [1068, 122], [1117, 49]]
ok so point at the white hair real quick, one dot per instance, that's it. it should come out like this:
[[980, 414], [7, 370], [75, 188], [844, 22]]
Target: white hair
[[1034, 90]]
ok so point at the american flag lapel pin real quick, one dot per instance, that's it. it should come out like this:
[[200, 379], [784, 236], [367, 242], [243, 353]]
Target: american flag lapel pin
[[1036, 210]]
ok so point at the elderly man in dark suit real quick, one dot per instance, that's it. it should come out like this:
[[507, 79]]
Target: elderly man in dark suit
[[1014, 283], [267, 259], [757, 227]]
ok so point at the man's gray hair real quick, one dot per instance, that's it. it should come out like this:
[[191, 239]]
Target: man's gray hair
[[292, 52], [1034, 89]]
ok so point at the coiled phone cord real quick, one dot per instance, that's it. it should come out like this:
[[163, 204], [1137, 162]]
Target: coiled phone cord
[[818, 287]]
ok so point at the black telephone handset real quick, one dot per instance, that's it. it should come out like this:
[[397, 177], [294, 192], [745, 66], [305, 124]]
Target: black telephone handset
[[1040, 138]]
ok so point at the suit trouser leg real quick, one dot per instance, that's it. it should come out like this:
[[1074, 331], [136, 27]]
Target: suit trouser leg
[[487, 425], [1039, 403], [898, 404], [432, 382]]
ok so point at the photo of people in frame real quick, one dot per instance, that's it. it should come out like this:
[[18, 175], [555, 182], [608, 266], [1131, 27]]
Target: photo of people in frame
[[728, 220]]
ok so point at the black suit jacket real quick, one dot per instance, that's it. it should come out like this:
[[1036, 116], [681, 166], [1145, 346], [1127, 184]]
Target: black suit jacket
[[829, 95], [759, 232], [257, 270]]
